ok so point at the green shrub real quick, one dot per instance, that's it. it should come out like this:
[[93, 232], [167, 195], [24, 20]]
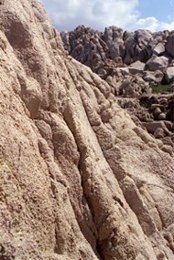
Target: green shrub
[[160, 88]]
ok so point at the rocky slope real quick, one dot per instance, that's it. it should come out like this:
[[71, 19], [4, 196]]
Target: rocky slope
[[78, 179], [135, 65]]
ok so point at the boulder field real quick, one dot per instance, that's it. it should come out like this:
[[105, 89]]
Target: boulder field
[[106, 52], [139, 67]]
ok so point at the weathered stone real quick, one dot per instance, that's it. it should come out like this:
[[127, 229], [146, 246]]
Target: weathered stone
[[162, 116], [157, 111], [136, 46], [153, 126], [170, 44], [113, 36], [136, 67], [169, 125], [169, 74], [153, 76], [124, 71], [168, 149], [157, 63], [170, 110], [159, 49], [159, 133], [78, 178]]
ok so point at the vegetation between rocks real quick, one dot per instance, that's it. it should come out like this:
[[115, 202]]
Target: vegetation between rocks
[[160, 88]]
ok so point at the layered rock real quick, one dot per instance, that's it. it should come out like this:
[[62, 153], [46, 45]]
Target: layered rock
[[78, 179]]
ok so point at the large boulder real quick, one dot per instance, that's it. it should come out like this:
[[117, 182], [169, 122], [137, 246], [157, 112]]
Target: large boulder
[[137, 67], [170, 44], [153, 127], [153, 76], [169, 74], [137, 46], [170, 112], [159, 49], [86, 45], [133, 87], [157, 63], [113, 36]]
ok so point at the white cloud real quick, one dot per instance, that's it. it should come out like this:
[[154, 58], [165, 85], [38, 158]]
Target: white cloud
[[67, 14], [149, 23], [98, 14], [153, 24]]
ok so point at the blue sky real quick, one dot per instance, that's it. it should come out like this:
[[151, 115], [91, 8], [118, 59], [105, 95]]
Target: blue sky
[[154, 15], [161, 9]]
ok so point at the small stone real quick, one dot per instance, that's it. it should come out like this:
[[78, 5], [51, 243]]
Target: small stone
[[167, 149], [157, 111], [159, 133], [159, 49], [162, 116]]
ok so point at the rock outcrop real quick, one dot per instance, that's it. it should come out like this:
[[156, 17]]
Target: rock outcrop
[[103, 51], [133, 64], [109, 51], [78, 178]]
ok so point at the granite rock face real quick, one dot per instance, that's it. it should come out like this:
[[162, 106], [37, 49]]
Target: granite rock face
[[78, 178]]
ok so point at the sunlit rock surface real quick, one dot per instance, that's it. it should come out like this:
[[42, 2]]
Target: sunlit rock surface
[[78, 179]]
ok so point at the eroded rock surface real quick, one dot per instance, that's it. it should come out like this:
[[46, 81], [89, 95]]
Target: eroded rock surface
[[78, 178], [104, 51]]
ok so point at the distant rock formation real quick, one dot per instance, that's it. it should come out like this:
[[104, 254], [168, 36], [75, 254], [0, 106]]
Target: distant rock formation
[[102, 51], [78, 179], [132, 64]]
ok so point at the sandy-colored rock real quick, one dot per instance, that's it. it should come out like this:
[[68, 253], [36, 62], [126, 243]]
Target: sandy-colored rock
[[78, 179], [153, 126], [137, 67], [159, 49], [170, 74], [153, 76], [157, 63]]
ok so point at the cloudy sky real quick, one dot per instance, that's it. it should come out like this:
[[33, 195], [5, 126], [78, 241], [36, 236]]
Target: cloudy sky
[[154, 15]]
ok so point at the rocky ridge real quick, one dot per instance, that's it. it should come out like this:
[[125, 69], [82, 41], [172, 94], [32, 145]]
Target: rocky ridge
[[135, 65], [150, 54], [78, 178]]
